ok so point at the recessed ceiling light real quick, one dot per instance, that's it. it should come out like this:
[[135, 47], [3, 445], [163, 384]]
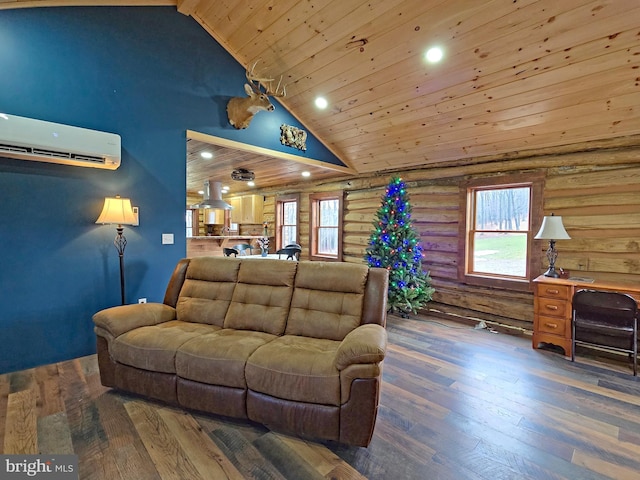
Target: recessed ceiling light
[[434, 54], [321, 103], [206, 155], [251, 184], [306, 174]]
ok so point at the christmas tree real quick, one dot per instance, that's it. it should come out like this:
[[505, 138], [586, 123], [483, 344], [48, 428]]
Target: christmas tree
[[394, 245]]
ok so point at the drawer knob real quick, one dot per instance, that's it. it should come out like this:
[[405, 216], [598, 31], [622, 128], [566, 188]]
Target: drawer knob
[[552, 307], [551, 325], [553, 291]]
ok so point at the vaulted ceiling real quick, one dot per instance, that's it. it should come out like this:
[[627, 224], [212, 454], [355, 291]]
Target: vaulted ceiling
[[516, 75]]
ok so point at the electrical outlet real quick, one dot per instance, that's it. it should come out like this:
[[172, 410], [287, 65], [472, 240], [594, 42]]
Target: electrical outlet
[[142, 300]]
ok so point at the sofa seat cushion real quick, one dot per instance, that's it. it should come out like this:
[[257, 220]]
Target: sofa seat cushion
[[219, 358], [154, 347], [296, 368]]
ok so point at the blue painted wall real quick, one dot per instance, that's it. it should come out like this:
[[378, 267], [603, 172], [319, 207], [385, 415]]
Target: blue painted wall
[[148, 74]]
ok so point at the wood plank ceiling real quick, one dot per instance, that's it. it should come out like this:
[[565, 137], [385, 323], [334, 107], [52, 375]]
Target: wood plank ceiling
[[516, 75], [269, 171]]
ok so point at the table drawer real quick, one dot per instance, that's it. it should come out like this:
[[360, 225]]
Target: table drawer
[[553, 291], [552, 307], [553, 325]]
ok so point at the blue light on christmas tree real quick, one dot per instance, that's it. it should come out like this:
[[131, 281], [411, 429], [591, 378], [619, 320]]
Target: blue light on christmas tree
[[394, 245]]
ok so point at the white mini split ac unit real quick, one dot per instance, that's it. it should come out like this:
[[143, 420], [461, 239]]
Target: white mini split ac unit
[[30, 139]]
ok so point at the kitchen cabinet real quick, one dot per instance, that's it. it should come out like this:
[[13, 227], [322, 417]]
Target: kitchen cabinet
[[235, 214], [213, 216], [246, 209]]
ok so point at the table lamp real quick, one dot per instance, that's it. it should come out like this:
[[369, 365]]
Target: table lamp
[[552, 229]]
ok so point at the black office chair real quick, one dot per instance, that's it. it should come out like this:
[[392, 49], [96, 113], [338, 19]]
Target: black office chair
[[607, 320], [242, 248], [292, 251]]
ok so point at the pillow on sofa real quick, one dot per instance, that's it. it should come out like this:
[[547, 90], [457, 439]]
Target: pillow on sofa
[[327, 299], [262, 296], [207, 290]]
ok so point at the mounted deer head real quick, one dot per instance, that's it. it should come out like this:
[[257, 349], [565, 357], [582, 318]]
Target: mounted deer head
[[241, 110]]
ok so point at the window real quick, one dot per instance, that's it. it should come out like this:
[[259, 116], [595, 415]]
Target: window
[[287, 221], [497, 231], [326, 226], [191, 220]]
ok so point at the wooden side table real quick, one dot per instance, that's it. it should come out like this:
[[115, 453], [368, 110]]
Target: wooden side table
[[553, 310]]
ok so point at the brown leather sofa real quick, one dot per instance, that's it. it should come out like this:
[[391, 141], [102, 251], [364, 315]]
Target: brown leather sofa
[[296, 346]]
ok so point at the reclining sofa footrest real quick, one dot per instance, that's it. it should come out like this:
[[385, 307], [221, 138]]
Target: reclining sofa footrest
[[304, 419], [158, 385], [216, 399]]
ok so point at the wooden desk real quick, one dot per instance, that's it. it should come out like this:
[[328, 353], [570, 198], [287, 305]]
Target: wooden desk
[[553, 310]]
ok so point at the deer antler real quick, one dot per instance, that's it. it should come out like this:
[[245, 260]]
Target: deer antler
[[267, 83], [278, 92]]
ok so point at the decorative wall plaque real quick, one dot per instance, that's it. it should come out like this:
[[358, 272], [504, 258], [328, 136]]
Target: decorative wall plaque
[[293, 137]]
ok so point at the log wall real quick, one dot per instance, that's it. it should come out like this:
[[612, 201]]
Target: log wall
[[597, 192]]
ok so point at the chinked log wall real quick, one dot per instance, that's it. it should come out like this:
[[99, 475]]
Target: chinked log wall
[[596, 190]]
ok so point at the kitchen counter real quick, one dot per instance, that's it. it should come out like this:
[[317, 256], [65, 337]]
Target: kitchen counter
[[212, 245], [219, 237]]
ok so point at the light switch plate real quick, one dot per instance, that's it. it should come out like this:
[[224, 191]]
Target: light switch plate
[[167, 238], [136, 214]]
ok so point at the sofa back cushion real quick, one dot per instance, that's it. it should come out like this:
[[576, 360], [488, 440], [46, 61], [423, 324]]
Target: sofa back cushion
[[207, 290], [327, 299], [262, 296]]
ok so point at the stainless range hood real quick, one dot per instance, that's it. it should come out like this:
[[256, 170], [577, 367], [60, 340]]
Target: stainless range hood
[[212, 197]]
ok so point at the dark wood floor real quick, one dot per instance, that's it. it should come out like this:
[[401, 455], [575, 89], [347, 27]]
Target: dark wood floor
[[457, 403]]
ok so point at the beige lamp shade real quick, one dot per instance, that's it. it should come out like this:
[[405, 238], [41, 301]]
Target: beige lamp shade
[[552, 229], [117, 210]]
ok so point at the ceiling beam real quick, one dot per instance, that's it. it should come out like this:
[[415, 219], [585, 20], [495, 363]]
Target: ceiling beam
[[187, 7], [224, 142], [8, 5]]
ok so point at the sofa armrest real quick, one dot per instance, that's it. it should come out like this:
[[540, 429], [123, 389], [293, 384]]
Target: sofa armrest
[[121, 319], [365, 344]]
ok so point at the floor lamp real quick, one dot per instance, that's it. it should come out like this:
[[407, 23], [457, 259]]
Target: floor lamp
[[552, 229], [118, 211]]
